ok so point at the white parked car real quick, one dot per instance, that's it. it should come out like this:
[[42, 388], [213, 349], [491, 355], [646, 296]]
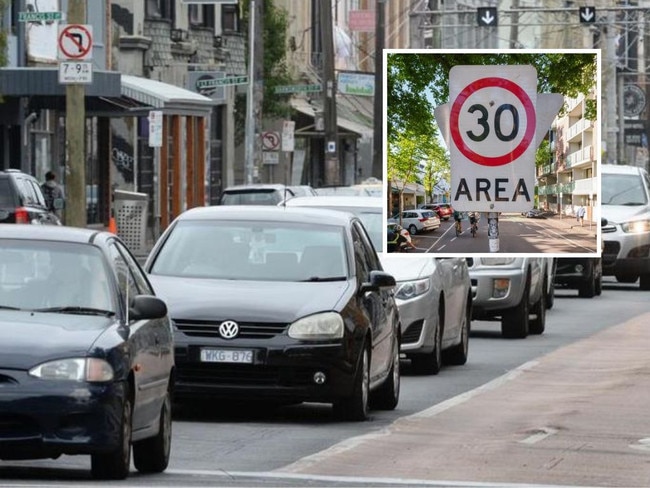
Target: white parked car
[[434, 299], [419, 220], [625, 203]]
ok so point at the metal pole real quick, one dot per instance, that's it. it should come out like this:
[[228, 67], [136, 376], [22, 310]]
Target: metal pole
[[75, 135], [609, 79], [493, 231], [332, 166], [378, 139], [250, 122]]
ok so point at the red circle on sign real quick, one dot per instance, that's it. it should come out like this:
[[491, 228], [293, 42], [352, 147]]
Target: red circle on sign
[[83, 50], [530, 121]]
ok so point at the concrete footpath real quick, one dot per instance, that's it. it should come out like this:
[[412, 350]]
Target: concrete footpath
[[578, 416]]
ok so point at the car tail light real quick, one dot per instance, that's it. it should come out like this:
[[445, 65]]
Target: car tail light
[[423, 219], [22, 216]]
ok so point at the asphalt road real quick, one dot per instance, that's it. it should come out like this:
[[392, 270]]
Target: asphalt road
[[304, 445], [517, 234]]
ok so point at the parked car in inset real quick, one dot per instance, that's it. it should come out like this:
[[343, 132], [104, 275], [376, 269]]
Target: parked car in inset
[[22, 200], [511, 289], [86, 352], [434, 298], [584, 274], [259, 194], [625, 203], [279, 303], [418, 220], [443, 210]]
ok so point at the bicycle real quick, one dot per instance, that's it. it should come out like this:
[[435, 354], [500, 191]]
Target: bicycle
[[459, 229], [474, 228]]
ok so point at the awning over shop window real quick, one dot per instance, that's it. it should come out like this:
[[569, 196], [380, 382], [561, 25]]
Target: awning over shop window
[[356, 126], [171, 99]]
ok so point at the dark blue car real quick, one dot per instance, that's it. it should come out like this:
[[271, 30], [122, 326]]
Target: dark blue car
[[86, 352]]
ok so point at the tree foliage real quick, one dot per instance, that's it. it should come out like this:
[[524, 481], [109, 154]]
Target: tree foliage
[[411, 76], [275, 69]]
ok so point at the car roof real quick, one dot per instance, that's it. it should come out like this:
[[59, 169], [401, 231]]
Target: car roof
[[266, 213], [50, 233], [621, 169], [335, 201]]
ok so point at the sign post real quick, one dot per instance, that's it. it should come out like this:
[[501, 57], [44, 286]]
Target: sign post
[[493, 123]]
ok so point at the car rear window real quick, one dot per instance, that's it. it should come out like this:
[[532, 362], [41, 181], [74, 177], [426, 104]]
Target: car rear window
[[6, 198], [428, 214], [257, 197]]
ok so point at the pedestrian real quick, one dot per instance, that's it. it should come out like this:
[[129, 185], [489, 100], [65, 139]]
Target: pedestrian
[[53, 194], [580, 215]]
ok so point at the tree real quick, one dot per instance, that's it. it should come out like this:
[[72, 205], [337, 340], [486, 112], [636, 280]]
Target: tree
[[435, 172], [275, 70], [417, 82]]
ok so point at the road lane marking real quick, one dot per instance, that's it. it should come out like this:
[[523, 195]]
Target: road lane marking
[[540, 435]]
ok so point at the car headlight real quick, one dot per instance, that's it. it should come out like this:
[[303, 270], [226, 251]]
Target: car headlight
[[497, 261], [411, 289], [327, 325], [636, 226], [77, 369]]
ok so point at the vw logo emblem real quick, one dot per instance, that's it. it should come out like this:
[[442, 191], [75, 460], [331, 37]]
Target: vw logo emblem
[[228, 329]]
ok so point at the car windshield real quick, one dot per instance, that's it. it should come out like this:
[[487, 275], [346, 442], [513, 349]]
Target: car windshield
[[623, 190], [253, 250], [44, 275], [371, 218]]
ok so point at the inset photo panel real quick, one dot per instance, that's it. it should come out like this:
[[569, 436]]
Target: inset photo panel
[[494, 152]]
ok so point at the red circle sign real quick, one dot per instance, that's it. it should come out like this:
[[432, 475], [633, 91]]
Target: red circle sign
[[523, 97], [81, 41]]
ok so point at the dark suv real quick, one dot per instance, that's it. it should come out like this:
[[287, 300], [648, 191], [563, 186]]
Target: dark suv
[[22, 200]]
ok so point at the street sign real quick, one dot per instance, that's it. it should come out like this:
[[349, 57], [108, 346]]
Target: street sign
[[487, 16], [39, 16], [75, 42], [317, 87], [270, 141], [494, 128], [587, 15], [288, 133], [75, 72], [231, 80], [155, 128]]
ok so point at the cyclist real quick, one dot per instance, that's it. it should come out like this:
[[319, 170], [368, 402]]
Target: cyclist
[[458, 216], [474, 217]]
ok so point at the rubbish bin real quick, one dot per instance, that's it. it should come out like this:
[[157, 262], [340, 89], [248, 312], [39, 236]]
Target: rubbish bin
[[130, 212]]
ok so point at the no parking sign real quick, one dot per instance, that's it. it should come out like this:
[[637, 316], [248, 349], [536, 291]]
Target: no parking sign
[[494, 126]]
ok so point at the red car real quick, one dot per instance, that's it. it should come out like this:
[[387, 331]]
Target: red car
[[443, 210]]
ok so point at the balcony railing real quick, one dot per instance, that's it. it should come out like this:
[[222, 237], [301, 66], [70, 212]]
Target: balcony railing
[[584, 155]]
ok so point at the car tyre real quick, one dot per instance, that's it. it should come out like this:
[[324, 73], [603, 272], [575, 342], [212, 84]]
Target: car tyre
[[626, 278], [413, 229], [432, 362], [644, 283], [599, 285], [588, 288], [355, 407], [514, 322], [152, 455], [115, 464], [550, 298], [457, 355], [387, 396], [538, 324]]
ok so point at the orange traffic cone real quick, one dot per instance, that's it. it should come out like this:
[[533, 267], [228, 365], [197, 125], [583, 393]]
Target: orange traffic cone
[[112, 226]]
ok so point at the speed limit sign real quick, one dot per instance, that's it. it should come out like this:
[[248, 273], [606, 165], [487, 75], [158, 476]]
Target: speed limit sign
[[494, 127]]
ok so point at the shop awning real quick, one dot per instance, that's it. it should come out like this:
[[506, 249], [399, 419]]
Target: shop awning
[[309, 108], [170, 99]]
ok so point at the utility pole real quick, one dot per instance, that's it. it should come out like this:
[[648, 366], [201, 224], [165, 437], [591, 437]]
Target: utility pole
[[332, 166], [249, 153], [378, 134], [610, 99], [75, 110]]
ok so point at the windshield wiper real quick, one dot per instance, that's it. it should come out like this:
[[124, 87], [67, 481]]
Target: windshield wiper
[[7, 307], [76, 310], [329, 278]]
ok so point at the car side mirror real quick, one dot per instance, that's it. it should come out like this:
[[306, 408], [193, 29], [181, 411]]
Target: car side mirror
[[147, 307], [603, 222], [378, 280]]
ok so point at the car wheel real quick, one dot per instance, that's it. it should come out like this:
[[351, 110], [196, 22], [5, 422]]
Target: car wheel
[[387, 396], [457, 355], [550, 298], [413, 229], [538, 324], [356, 406], [514, 322], [588, 288], [432, 362], [152, 455], [115, 464], [645, 282], [599, 285]]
